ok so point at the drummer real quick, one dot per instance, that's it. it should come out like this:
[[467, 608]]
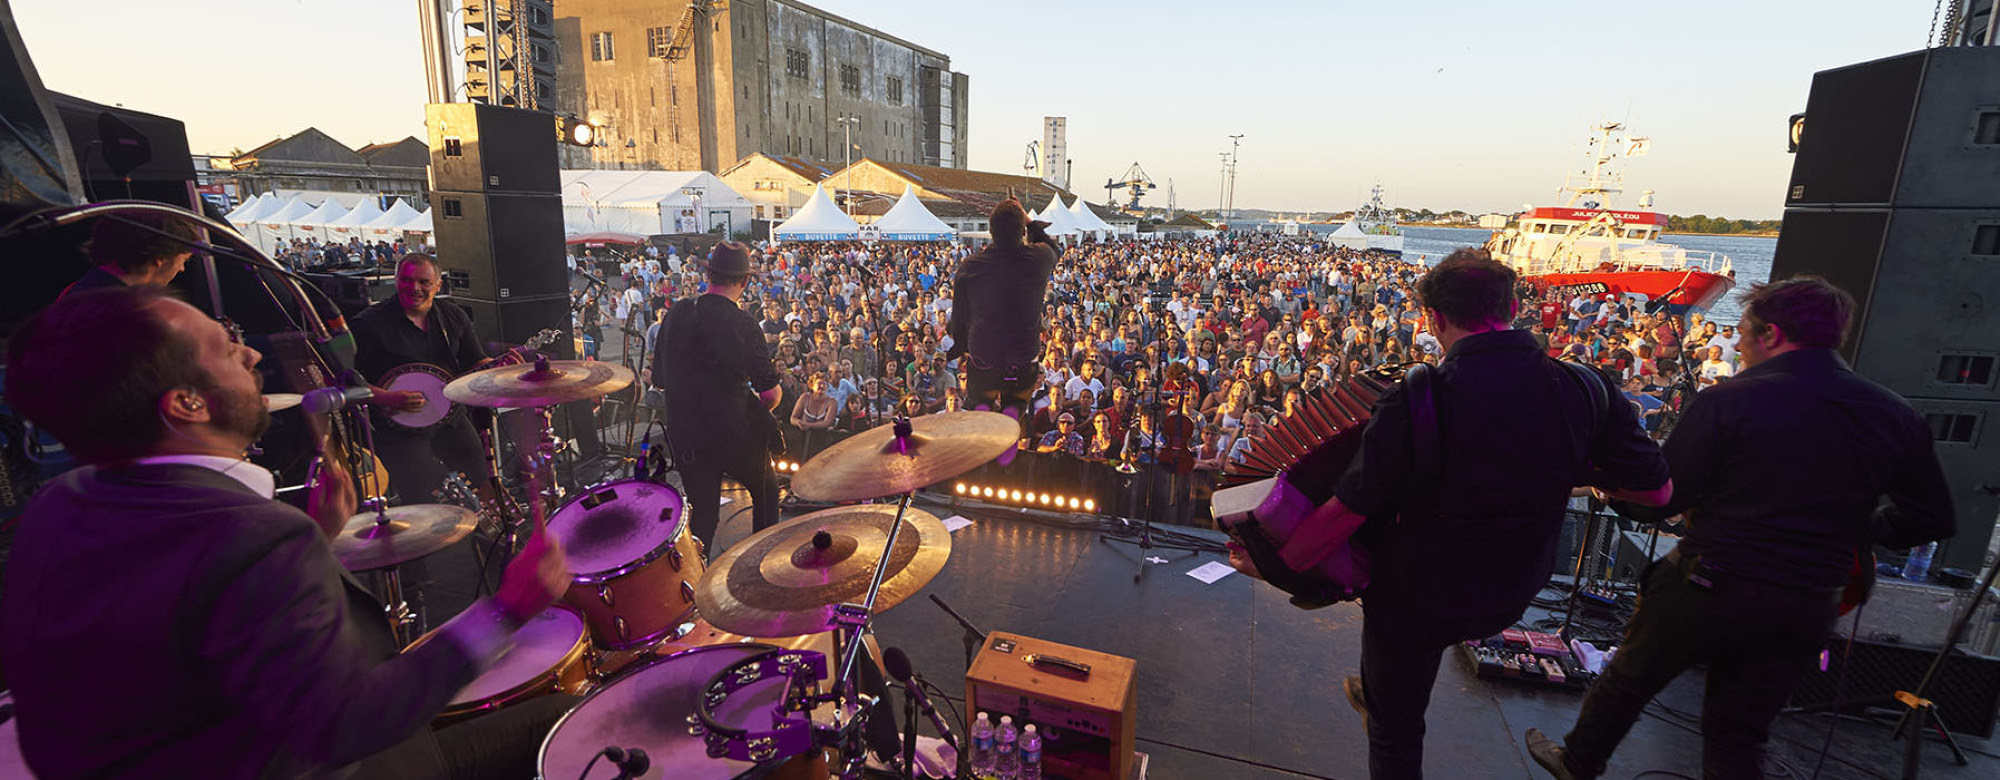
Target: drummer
[[165, 617], [415, 326]]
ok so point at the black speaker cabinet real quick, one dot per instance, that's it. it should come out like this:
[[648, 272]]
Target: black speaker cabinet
[[514, 322], [1967, 689], [499, 247], [1919, 130], [476, 147]]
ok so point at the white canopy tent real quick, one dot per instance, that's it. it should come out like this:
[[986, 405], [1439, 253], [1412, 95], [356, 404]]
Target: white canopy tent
[[421, 223], [908, 220], [313, 224], [650, 203], [275, 227], [388, 226], [1061, 222], [351, 224], [1088, 220], [819, 220], [1349, 235], [248, 211]]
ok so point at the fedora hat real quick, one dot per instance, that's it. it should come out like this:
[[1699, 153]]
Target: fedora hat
[[729, 258]]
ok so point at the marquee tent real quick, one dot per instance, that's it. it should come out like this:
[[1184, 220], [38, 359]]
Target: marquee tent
[[388, 226], [421, 223], [251, 209], [351, 224], [1061, 222], [275, 228], [819, 220], [313, 224], [1088, 220], [650, 203], [908, 220]]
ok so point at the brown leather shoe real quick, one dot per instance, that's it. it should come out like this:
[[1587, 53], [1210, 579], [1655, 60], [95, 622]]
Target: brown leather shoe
[[1551, 756], [1352, 685]]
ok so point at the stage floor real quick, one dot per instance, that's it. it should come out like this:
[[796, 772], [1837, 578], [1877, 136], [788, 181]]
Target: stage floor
[[1234, 682]]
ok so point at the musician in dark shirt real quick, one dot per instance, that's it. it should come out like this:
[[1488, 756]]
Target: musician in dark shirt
[[1784, 472], [416, 327], [138, 249], [996, 311], [1462, 543], [720, 387]]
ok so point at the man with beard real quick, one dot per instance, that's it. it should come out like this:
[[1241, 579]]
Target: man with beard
[[173, 620], [416, 327]]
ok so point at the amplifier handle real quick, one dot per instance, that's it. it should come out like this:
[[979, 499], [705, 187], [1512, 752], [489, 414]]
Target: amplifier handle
[[1057, 664]]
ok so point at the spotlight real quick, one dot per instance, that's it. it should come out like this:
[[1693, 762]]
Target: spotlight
[[1089, 505], [959, 488], [1075, 504], [1017, 496], [574, 131], [988, 492], [1045, 499]]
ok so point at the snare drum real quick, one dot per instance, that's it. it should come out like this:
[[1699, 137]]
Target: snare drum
[[649, 709], [549, 654], [633, 564]]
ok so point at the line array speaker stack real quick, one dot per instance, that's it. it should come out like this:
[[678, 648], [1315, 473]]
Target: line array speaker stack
[[1895, 197]]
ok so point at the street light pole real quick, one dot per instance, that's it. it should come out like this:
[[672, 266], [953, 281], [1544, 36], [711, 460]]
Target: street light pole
[[1222, 192], [847, 153], [1234, 142]]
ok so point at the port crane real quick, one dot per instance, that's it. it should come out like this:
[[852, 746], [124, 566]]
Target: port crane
[[1135, 182]]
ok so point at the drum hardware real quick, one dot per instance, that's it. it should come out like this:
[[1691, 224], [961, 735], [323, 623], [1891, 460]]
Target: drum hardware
[[631, 561], [431, 381], [383, 539]]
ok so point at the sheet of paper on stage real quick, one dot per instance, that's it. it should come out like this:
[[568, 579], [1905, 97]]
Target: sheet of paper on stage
[[1209, 572], [955, 522]]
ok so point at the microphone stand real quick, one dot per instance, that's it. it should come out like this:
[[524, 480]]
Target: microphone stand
[[1145, 541]]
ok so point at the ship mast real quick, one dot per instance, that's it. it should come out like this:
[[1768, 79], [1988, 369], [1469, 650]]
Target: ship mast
[[1602, 186]]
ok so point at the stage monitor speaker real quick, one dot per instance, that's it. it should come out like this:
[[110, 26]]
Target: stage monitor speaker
[[1918, 130], [499, 247], [1967, 688], [1088, 717], [477, 147]]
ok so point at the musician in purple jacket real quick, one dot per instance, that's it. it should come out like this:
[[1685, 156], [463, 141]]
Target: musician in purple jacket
[[163, 616]]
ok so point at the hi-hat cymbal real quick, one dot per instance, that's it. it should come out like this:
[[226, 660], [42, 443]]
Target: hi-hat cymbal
[[786, 580], [539, 384], [871, 465], [412, 532]]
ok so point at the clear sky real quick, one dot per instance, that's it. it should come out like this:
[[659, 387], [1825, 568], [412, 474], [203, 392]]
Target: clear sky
[[1475, 105]]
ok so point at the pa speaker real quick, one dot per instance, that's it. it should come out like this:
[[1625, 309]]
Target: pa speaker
[[1967, 688], [477, 147], [498, 247], [1919, 130]]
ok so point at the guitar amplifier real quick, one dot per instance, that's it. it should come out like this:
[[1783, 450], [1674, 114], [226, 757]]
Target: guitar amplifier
[[1082, 702], [1917, 613]]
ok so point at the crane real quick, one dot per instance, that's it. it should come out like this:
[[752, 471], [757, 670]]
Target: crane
[[1135, 182]]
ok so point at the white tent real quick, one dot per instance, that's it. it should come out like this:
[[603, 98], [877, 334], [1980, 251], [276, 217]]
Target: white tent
[[388, 226], [313, 224], [1061, 222], [819, 220], [275, 227], [651, 203], [421, 223], [1349, 235], [1088, 220], [351, 224], [908, 220], [251, 209]]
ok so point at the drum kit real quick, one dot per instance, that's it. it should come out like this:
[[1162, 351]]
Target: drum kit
[[749, 664]]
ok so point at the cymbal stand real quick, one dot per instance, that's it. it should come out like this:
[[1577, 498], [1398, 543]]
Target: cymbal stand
[[851, 624], [404, 621]]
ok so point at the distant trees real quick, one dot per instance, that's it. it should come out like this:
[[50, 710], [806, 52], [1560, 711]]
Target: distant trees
[[1702, 223]]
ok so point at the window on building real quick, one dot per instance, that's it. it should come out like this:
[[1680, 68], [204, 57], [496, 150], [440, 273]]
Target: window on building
[[797, 63], [657, 39], [895, 91], [600, 47], [850, 79]]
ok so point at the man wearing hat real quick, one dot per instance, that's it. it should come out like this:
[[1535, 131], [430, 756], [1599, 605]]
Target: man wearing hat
[[996, 311], [720, 387]]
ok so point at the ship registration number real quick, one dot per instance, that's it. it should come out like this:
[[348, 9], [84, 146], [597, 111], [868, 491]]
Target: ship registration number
[[1588, 288]]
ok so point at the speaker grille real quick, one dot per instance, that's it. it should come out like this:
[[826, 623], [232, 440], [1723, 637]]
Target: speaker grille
[[1967, 690]]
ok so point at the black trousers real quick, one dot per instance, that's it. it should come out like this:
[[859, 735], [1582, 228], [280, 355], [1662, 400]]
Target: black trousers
[[1007, 387], [1400, 651], [703, 462], [1756, 640], [504, 743], [419, 460]]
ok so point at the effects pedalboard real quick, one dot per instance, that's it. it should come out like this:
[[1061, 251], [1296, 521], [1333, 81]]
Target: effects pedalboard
[[1527, 656]]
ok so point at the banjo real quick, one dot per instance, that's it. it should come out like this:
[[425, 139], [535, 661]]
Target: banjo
[[430, 380]]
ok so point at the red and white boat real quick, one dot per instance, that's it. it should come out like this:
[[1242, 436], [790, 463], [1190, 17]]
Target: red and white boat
[[1589, 248]]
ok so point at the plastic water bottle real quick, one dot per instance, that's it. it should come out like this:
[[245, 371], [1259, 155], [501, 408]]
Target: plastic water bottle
[[982, 747], [1918, 567], [1031, 754], [1005, 763]]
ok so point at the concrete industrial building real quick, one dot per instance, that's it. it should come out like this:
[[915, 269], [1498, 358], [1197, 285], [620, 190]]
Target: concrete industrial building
[[701, 84]]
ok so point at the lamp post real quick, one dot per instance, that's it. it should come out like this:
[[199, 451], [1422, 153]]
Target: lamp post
[[1234, 142], [847, 124]]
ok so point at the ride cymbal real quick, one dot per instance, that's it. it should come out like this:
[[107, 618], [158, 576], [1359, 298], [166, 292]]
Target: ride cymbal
[[871, 465], [543, 383], [412, 532], [786, 580]]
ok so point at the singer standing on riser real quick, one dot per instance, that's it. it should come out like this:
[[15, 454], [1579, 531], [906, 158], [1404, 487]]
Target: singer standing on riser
[[416, 327]]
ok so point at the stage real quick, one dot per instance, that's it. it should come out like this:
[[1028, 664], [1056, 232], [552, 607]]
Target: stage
[[1234, 682]]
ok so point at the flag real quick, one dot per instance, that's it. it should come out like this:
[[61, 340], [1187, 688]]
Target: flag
[[1637, 146]]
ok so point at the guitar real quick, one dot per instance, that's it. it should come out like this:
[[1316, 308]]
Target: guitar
[[338, 447], [430, 380]]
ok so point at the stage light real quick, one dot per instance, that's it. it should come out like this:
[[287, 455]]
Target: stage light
[[1075, 504], [1089, 505], [959, 488], [1017, 496], [1045, 499], [989, 492], [574, 131]]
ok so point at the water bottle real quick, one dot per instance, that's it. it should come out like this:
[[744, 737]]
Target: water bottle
[[1918, 567], [1031, 754], [1005, 763], [982, 747]]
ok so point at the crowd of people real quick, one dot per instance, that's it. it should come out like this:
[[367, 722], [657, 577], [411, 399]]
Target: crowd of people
[[312, 254], [1238, 330]]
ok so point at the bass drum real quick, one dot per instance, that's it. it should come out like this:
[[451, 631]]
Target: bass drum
[[633, 564], [550, 654], [649, 709]]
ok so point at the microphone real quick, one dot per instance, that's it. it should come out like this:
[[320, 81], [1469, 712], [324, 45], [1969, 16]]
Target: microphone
[[631, 763], [331, 399], [897, 664]]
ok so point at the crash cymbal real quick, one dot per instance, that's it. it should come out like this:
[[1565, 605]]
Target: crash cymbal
[[278, 402], [412, 532], [870, 465], [545, 383], [786, 580]]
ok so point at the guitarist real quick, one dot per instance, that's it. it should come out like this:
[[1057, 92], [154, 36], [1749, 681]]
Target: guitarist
[[416, 327], [1782, 472], [720, 385]]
